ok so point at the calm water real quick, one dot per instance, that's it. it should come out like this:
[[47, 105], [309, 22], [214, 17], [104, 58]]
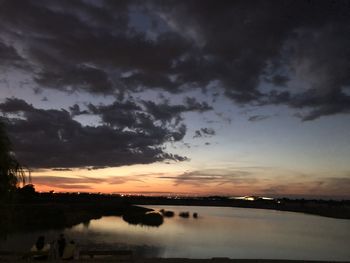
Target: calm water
[[218, 232]]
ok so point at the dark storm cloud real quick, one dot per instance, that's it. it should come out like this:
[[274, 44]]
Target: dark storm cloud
[[193, 105], [75, 110], [279, 80], [143, 114], [257, 118], [8, 54], [204, 132], [147, 121], [10, 58], [13, 105], [166, 112], [52, 139], [97, 46], [74, 48], [322, 58], [119, 114], [80, 77], [318, 103]]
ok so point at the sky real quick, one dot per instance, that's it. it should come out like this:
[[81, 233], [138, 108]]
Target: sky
[[179, 97]]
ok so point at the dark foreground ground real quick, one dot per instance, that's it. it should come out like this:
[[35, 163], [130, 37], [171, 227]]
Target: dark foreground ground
[[213, 260], [220, 260], [179, 260]]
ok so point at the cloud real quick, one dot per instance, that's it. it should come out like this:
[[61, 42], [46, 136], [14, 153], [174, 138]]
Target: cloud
[[9, 56], [166, 112], [313, 186], [204, 132], [130, 115], [278, 80], [80, 77], [97, 47], [61, 169], [337, 185], [259, 180], [124, 179], [82, 46], [52, 139], [212, 177], [82, 182], [65, 182], [316, 104], [323, 67], [119, 114], [257, 118], [13, 105], [75, 110]]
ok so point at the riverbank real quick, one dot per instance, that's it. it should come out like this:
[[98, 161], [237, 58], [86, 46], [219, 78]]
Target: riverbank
[[330, 208]]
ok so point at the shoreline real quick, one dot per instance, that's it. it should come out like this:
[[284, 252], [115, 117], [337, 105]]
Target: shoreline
[[306, 207], [249, 207], [61, 211]]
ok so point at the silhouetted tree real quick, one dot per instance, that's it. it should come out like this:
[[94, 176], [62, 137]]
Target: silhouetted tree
[[11, 172], [26, 194]]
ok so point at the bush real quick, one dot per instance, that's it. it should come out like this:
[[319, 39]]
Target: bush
[[167, 213], [143, 217], [184, 214]]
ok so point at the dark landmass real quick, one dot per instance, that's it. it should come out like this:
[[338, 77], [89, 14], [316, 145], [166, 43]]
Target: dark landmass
[[58, 211], [33, 211], [328, 208]]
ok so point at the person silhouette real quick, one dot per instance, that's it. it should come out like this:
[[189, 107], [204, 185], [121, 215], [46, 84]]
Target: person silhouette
[[69, 251], [40, 246], [61, 242]]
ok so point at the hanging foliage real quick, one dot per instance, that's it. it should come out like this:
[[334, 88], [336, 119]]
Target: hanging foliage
[[12, 174]]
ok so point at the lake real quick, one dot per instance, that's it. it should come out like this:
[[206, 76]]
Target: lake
[[217, 232]]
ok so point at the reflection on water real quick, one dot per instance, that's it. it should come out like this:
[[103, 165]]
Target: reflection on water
[[218, 232]]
